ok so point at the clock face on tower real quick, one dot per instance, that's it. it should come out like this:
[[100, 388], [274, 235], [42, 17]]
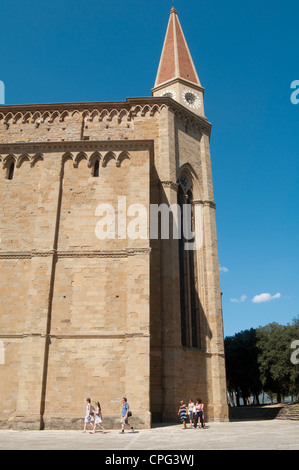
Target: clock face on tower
[[169, 93], [191, 99]]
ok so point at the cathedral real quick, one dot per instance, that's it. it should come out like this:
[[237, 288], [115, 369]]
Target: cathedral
[[107, 307]]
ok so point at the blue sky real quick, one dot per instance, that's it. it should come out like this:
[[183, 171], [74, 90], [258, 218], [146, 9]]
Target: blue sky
[[246, 55]]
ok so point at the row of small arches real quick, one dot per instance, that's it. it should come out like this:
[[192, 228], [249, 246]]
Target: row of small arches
[[102, 159], [90, 115], [18, 160], [94, 160], [10, 162]]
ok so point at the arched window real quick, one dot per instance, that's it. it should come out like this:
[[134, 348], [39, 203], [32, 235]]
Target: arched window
[[11, 171], [183, 277], [189, 301], [96, 168], [192, 265]]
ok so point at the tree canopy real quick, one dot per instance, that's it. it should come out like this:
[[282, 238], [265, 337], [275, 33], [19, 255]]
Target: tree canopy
[[261, 359]]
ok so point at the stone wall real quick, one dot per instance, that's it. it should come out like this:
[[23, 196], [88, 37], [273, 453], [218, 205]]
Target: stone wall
[[83, 317]]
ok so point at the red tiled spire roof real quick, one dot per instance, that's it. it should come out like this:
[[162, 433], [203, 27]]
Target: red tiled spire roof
[[176, 60]]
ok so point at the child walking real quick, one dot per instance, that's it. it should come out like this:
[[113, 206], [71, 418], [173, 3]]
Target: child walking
[[182, 413]]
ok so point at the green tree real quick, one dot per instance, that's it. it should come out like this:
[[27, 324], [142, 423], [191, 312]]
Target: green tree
[[278, 374], [260, 359], [242, 369], [294, 376]]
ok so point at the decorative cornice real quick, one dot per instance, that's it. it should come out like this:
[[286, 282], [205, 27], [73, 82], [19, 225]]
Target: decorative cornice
[[170, 184], [184, 81], [175, 187], [211, 204], [41, 114], [75, 254], [103, 253], [76, 336], [100, 336], [74, 150], [75, 145]]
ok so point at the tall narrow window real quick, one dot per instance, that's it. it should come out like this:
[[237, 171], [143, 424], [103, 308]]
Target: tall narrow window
[[193, 280], [189, 301], [96, 168], [183, 277], [11, 171]]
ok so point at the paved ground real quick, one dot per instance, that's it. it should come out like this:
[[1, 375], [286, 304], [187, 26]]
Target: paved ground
[[241, 435]]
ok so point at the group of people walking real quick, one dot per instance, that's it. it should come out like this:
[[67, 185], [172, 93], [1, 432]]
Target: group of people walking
[[94, 416], [193, 412]]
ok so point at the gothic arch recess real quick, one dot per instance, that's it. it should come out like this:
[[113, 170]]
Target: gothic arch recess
[[78, 158], [188, 180], [188, 190], [108, 157], [17, 161]]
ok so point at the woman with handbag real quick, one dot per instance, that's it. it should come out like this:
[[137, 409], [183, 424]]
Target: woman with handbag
[[98, 418]]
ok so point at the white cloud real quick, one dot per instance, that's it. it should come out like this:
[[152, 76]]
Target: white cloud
[[223, 269], [265, 297], [241, 299]]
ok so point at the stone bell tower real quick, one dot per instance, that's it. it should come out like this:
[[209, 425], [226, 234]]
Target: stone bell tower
[[192, 353], [177, 76]]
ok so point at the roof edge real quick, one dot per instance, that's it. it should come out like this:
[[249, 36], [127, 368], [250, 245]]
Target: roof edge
[[109, 105]]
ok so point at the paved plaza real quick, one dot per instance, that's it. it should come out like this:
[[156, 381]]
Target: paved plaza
[[238, 435]]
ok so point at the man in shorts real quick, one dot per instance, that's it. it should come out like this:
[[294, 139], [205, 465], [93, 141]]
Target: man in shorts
[[125, 415]]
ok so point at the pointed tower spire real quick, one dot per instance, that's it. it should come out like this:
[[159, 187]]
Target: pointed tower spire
[[177, 76]]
